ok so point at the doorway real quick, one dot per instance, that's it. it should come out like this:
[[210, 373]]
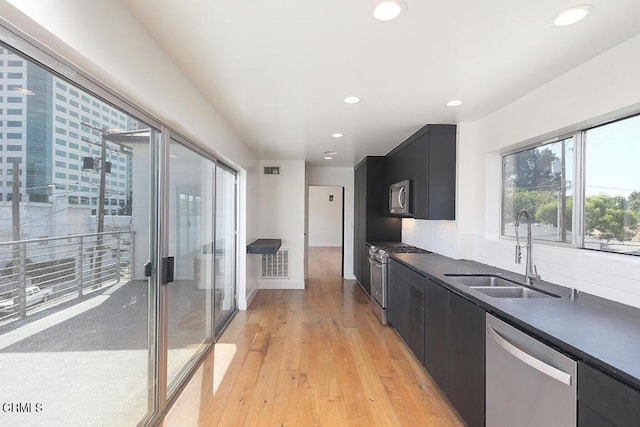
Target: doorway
[[325, 229]]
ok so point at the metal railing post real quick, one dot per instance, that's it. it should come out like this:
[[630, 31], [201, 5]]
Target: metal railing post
[[81, 266], [22, 277], [118, 241], [132, 255]]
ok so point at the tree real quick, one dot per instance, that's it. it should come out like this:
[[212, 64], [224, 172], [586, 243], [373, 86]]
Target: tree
[[548, 213], [533, 170], [634, 203], [529, 200], [610, 215]]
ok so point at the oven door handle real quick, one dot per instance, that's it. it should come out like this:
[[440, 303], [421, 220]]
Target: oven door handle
[[375, 263]]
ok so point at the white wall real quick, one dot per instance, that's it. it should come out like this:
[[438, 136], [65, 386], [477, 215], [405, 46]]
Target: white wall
[[339, 177], [281, 216], [601, 89], [108, 43], [325, 215]]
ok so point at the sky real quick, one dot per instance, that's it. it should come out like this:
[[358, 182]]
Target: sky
[[613, 158]]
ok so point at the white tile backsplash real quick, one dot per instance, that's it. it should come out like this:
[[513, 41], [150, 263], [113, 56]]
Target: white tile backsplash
[[435, 236], [611, 276]]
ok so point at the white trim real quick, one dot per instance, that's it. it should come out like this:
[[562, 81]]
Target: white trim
[[250, 297]]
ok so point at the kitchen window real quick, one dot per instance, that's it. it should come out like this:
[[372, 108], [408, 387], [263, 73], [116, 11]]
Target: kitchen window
[[536, 180], [612, 187], [582, 190]]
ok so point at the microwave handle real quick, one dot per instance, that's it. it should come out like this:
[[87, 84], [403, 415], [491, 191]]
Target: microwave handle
[[402, 199]]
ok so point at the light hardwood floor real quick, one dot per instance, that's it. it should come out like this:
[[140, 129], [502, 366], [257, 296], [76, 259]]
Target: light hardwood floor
[[317, 357]]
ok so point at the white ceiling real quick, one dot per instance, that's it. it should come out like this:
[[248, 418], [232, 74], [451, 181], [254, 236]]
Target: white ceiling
[[278, 70]]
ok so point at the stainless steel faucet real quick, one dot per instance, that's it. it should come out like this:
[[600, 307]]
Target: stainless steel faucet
[[530, 270]]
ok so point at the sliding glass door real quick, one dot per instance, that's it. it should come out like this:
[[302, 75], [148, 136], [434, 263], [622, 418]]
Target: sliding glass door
[[117, 251], [225, 250], [190, 228], [77, 225]]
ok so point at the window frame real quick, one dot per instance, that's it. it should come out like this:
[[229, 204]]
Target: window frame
[[541, 143], [578, 182]]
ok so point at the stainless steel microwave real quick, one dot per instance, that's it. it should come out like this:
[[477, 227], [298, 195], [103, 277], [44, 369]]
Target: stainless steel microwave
[[400, 198]]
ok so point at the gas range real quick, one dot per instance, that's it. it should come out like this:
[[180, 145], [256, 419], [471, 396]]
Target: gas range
[[378, 261], [381, 250]]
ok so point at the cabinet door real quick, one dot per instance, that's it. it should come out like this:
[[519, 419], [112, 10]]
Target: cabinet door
[[416, 321], [365, 273], [602, 397], [436, 354], [360, 220], [466, 359], [442, 173], [398, 304]]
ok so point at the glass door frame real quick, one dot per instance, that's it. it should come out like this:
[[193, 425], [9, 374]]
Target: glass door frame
[[236, 233], [164, 394], [159, 397]]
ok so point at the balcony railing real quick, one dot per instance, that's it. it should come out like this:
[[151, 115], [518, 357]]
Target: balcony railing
[[58, 269]]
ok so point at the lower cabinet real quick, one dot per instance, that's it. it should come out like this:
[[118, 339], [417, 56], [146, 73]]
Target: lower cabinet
[[405, 306], [445, 332], [604, 400], [416, 320], [467, 359], [436, 352]]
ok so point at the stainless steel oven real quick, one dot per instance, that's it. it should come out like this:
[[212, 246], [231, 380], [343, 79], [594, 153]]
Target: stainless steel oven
[[379, 266], [378, 262]]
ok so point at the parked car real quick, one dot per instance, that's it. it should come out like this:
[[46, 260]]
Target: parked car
[[35, 295]]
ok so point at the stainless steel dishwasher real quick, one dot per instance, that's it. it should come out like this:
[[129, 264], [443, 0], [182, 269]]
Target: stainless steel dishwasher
[[527, 382]]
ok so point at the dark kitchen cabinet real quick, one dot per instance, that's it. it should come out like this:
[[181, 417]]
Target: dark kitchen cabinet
[[436, 352], [467, 359], [371, 221], [604, 400], [450, 340], [428, 159], [406, 308], [398, 303], [416, 320]]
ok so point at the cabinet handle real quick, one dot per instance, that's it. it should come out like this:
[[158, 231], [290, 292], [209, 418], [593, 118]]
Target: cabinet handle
[[537, 364]]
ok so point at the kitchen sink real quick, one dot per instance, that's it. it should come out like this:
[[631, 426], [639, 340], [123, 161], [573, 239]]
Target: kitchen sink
[[512, 292], [499, 287], [484, 280]]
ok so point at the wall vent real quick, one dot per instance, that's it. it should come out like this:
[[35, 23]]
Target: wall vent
[[275, 266], [272, 170]]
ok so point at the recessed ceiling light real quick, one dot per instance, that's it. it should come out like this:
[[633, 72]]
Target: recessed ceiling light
[[387, 10], [328, 157], [454, 103], [572, 15], [352, 99], [337, 135]]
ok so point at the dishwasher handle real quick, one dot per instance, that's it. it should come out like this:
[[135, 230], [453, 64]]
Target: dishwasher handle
[[535, 363]]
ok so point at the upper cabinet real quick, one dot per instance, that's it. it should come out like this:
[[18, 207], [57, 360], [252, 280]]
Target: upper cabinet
[[428, 159]]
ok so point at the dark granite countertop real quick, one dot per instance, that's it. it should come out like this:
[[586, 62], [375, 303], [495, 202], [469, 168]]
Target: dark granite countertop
[[604, 333]]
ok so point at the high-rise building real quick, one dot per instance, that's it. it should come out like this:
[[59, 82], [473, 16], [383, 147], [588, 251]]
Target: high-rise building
[[54, 131]]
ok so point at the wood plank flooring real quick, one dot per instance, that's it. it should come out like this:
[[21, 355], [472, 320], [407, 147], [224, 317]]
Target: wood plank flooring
[[317, 357]]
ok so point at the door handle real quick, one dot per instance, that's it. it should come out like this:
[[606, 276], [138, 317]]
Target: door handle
[[167, 269], [535, 363], [147, 269]]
